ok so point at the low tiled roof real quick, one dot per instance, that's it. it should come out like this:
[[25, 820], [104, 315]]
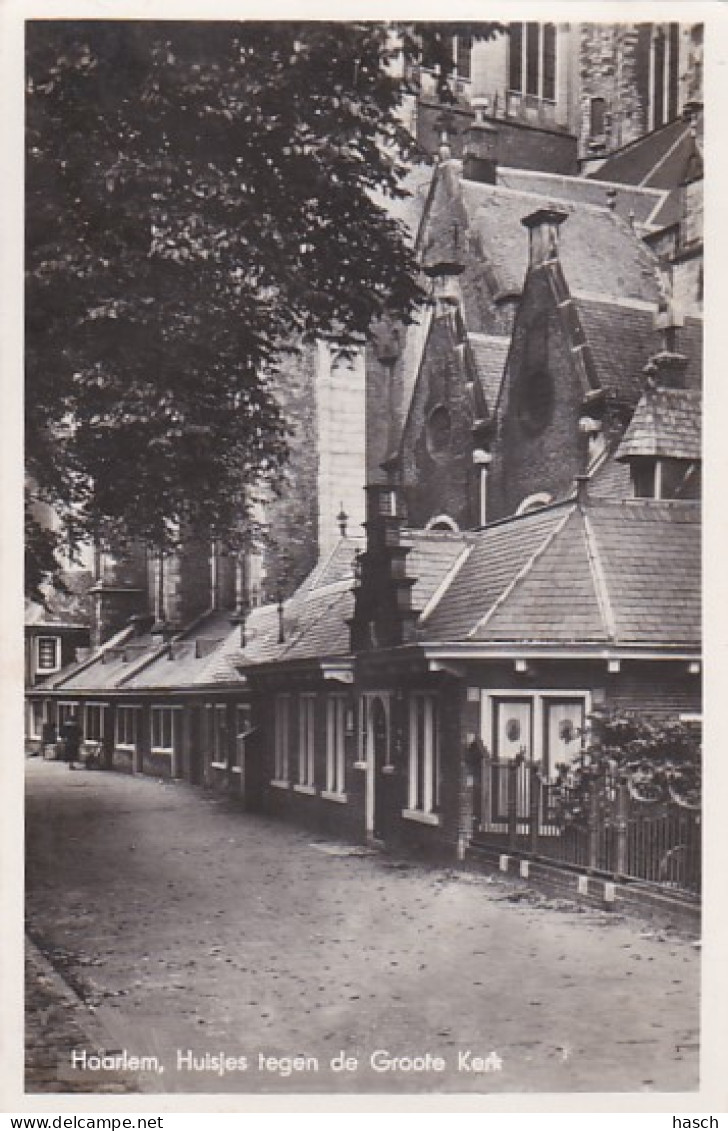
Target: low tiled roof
[[666, 422], [432, 556], [630, 200], [489, 355], [650, 557], [318, 627], [598, 250], [498, 554], [611, 572]]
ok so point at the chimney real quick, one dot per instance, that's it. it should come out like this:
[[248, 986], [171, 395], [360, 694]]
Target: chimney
[[543, 226], [383, 613], [666, 370], [479, 147]]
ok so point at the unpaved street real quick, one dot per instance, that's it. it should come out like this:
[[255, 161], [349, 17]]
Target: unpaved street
[[197, 932]]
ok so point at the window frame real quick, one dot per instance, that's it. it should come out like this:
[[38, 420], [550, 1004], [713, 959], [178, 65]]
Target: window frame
[[157, 711], [97, 712], [130, 713], [47, 669], [533, 61], [34, 731], [281, 740], [336, 708], [217, 734], [306, 761], [423, 766]]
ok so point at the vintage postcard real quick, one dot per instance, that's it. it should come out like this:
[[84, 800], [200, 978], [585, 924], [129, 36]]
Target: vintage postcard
[[364, 725]]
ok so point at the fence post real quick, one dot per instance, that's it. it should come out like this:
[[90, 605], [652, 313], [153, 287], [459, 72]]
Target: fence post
[[534, 806], [512, 803], [620, 826], [593, 826]]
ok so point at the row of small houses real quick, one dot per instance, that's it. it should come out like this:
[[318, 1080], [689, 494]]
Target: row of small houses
[[384, 698]]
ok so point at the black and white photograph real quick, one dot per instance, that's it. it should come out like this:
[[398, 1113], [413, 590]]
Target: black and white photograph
[[363, 685]]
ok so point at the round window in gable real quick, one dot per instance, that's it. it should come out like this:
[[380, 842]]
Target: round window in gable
[[535, 401], [439, 432]]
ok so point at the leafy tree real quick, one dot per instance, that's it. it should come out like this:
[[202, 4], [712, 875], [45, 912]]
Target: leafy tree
[[658, 758], [201, 199]]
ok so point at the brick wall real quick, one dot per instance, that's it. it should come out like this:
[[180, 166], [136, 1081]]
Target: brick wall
[[437, 470], [528, 461]]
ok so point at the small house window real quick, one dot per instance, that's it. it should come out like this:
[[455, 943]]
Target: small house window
[[282, 705], [306, 740], [48, 653], [126, 727], [335, 732], [424, 767], [94, 722], [162, 730]]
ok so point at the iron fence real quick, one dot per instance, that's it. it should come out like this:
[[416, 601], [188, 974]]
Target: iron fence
[[604, 826]]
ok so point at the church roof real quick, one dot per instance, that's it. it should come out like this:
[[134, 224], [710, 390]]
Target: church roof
[[663, 159], [630, 201], [599, 252]]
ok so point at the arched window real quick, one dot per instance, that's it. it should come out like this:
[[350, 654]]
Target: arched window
[[534, 502], [442, 522]]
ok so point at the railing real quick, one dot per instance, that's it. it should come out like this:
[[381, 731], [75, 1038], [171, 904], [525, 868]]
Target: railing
[[603, 827]]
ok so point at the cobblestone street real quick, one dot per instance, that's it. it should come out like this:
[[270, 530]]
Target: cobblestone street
[[220, 945]]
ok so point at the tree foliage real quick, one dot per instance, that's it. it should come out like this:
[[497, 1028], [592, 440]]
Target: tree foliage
[[201, 199], [658, 758]]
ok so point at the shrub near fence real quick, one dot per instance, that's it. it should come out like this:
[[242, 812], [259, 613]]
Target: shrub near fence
[[631, 810]]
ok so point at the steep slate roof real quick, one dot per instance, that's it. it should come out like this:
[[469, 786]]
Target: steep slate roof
[[659, 159], [630, 200], [411, 208], [622, 338], [662, 160], [666, 422], [489, 355], [599, 252], [611, 572]]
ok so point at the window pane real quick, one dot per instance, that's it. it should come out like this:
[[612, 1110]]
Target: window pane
[[532, 60], [464, 48], [549, 61], [564, 726], [515, 57]]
